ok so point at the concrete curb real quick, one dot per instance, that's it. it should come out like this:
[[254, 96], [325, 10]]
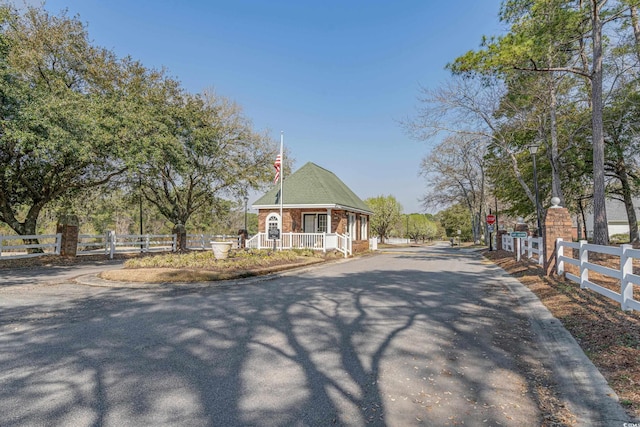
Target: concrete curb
[[582, 386], [95, 281]]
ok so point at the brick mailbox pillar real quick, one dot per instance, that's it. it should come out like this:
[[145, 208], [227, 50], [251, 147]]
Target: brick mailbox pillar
[[557, 224], [68, 227]]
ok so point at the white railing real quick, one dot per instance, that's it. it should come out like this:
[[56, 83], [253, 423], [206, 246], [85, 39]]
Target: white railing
[[531, 247], [90, 243], [344, 244], [315, 241], [21, 251], [508, 243], [624, 274], [120, 243]]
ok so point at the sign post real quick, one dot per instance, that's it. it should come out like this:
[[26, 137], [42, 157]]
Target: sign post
[[274, 234], [491, 219], [517, 237]]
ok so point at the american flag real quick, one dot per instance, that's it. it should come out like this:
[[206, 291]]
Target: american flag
[[277, 164]]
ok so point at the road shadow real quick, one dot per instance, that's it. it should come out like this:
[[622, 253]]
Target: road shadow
[[380, 347]]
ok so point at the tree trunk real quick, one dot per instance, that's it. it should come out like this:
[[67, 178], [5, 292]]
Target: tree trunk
[[26, 228], [600, 225], [583, 215], [579, 231], [636, 28], [628, 205], [554, 158]]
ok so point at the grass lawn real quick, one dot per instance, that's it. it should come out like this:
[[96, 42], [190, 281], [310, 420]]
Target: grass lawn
[[202, 266]]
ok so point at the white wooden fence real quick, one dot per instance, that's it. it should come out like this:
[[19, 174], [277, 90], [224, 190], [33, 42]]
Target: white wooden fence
[[624, 273], [21, 251], [119, 243], [93, 243], [530, 247], [108, 243]]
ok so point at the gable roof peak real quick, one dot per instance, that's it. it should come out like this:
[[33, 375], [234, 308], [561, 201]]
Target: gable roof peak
[[313, 185]]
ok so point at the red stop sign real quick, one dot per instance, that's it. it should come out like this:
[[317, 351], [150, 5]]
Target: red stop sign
[[491, 219]]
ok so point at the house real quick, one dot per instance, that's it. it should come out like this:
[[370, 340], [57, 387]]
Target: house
[[318, 211], [617, 220]]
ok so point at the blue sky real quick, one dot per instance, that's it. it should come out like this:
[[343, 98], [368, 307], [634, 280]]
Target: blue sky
[[335, 75]]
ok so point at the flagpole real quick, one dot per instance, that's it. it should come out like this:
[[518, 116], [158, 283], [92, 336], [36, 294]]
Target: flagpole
[[281, 179]]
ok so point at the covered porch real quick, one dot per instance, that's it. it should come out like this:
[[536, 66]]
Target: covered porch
[[314, 241]]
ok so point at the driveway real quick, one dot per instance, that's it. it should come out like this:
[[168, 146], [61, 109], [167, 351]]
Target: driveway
[[423, 336]]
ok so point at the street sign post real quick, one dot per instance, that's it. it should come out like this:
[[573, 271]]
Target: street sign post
[[491, 219]]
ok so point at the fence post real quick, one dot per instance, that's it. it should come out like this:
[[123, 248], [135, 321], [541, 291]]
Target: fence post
[[626, 268], [540, 257], [559, 255], [146, 243], [106, 242], [59, 243], [174, 244], [530, 247], [584, 258], [112, 243]]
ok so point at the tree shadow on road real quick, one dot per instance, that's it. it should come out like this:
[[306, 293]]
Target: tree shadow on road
[[382, 347]]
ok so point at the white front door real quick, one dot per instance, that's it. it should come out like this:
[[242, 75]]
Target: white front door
[[309, 225]]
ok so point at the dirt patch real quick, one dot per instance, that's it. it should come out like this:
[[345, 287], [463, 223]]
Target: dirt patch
[[609, 336]]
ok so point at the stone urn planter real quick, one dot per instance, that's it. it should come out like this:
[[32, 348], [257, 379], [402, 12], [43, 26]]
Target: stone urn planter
[[221, 249]]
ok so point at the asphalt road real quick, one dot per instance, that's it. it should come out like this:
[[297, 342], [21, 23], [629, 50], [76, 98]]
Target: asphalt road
[[54, 273], [415, 337]]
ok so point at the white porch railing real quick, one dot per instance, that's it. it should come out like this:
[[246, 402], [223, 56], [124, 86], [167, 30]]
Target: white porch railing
[[624, 273], [314, 241], [20, 251]]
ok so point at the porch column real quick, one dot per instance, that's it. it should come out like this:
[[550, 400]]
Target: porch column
[[329, 221]]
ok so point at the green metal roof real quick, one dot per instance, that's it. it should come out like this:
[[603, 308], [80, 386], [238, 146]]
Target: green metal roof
[[312, 185]]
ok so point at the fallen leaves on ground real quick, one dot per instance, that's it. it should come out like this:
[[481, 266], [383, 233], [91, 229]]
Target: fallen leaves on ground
[[609, 336]]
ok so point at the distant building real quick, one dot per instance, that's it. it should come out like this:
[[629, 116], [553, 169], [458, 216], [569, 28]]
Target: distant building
[[617, 220], [315, 202]]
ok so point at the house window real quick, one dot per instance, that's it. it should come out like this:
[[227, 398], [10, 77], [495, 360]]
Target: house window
[[363, 227], [273, 222], [314, 223], [322, 223], [351, 225]]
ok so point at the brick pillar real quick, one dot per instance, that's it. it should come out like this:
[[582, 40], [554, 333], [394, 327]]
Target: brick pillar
[[499, 235], [557, 224], [68, 227]]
